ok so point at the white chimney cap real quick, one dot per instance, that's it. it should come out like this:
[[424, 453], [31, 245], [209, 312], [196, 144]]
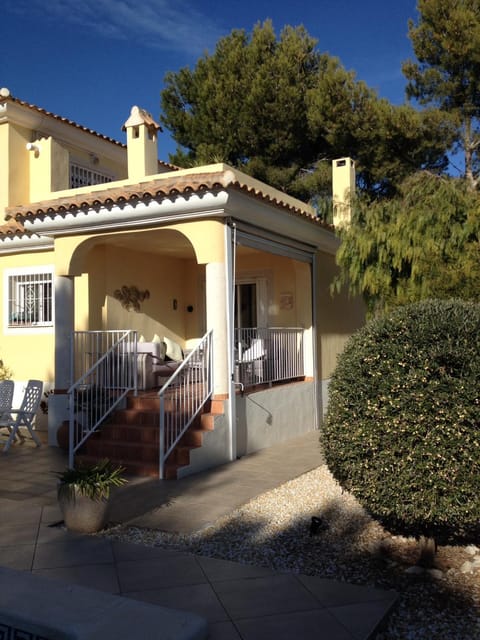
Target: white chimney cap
[[138, 117]]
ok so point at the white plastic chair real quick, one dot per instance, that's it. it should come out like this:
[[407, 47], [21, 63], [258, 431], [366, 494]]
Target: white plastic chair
[[252, 362], [24, 416], [7, 387]]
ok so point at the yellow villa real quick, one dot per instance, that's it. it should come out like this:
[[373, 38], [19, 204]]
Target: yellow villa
[[180, 317]]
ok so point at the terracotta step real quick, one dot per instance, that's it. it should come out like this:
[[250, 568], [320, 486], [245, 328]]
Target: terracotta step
[[136, 417], [125, 432], [192, 438], [126, 448], [134, 468], [130, 437], [215, 406], [115, 450]]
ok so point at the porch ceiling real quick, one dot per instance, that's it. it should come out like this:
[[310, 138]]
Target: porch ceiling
[[165, 241]]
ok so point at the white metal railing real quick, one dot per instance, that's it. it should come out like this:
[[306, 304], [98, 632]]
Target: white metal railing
[[183, 396], [104, 365], [266, 355], [85, 177]]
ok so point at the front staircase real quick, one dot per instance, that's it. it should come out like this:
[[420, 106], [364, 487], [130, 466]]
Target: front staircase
[[130, 437]]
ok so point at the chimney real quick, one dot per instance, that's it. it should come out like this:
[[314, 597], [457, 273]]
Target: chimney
[[142, 148], [343, 189]]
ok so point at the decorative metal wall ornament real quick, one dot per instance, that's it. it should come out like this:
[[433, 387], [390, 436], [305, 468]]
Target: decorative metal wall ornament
[[131, 297]]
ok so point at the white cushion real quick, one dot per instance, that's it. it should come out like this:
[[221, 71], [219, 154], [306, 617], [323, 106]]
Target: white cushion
[[256, 350], [174, 350], [157, 349]]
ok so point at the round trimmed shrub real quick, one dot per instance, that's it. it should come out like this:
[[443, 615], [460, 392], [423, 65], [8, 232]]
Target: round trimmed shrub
[[402, 431]]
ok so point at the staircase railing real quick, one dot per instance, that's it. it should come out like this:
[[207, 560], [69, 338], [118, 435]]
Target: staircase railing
[[104, 364], [183, 396]]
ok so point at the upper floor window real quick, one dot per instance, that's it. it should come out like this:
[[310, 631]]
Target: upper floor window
[[84, 177], [30, 297]]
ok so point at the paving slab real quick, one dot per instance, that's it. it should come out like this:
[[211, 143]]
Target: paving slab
[[240, 602], [192, 503]]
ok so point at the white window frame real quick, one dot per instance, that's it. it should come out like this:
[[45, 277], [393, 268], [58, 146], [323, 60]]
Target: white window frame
[[262, 286], [23, 273]]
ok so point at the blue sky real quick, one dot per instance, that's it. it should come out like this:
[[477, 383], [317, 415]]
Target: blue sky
[[91, 60]]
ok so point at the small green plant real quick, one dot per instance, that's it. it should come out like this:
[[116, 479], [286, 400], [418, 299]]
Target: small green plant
[[44, 403], [92, 481], [5, 372]]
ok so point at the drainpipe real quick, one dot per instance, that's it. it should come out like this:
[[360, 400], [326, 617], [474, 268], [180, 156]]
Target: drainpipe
[[317, 368], [230, 239]]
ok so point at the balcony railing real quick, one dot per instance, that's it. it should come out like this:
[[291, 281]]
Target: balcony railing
[[267, 355]]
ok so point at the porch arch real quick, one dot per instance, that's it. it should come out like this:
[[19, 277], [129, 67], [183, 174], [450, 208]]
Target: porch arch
[[198, 304]]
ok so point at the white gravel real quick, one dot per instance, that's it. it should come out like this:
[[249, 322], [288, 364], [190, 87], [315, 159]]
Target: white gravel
[[273, 530]]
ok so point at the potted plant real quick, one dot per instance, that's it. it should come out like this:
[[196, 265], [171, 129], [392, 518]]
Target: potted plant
[[83, 494]]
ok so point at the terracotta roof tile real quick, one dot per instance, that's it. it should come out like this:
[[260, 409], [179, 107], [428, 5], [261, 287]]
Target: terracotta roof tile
[[11, 227], [158, 189], [61, 119]]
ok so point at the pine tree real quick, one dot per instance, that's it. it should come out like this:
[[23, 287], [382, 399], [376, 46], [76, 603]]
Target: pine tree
[[281, 110], [446, 43]]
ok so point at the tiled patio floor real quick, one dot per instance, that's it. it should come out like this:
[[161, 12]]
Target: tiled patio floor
[[240, 602]]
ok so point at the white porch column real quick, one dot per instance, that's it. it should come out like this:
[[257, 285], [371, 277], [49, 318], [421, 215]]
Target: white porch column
[[219, 298], [64, 324], [217, 319]]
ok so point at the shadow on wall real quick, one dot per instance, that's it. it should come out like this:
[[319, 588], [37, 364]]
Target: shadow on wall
[[242, 425], [274, 415]]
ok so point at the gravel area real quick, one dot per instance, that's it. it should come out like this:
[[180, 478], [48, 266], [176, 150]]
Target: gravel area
[[275, 530]]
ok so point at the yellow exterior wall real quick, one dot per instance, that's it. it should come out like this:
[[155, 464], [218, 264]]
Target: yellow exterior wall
[[14, 169], [338, 316], [163, 277], [30, 354], [29, 176], [103, 268], [142, 152], [168, 278], [18, 165], [195, 321], [83, 317], [288, 286], [343, 188], [4, 178], [27, 352], [92, 158], [49, 169], [171, 282], [207, 238]]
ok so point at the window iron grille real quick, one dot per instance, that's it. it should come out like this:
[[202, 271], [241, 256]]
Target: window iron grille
[[30, 300]]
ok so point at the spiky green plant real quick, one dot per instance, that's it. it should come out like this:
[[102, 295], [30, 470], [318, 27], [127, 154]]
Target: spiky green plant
[[92, 481]]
